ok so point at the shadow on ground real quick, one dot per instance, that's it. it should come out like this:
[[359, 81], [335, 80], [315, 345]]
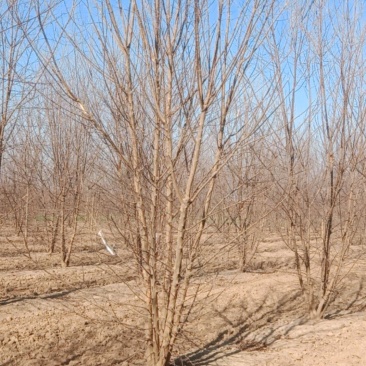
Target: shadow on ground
[[254, 331], [264, 325], [53, 295]]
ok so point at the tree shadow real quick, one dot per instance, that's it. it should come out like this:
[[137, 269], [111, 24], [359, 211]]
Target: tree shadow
[[257, 330], [357, 303], [262, 326], [53, 295]]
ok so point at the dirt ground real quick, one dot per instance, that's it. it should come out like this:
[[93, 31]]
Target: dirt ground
[[88, 314]]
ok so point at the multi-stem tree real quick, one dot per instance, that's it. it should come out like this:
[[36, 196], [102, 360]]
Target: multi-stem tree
[[321, 111], [66, 154], [161, 85]]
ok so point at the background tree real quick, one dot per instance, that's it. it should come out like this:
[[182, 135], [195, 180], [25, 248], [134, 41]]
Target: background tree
[[16, 69], [321, 142]]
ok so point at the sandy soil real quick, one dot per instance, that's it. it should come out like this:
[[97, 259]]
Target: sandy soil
[[88, 314]]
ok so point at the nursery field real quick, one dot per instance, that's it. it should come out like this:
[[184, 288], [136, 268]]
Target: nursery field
[[89, 313], [182, 183]]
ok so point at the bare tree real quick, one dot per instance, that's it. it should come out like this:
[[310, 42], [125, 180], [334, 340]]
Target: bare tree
[[161, 89], [322, 144], [246, 204], [15, 67], [68, 156]]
